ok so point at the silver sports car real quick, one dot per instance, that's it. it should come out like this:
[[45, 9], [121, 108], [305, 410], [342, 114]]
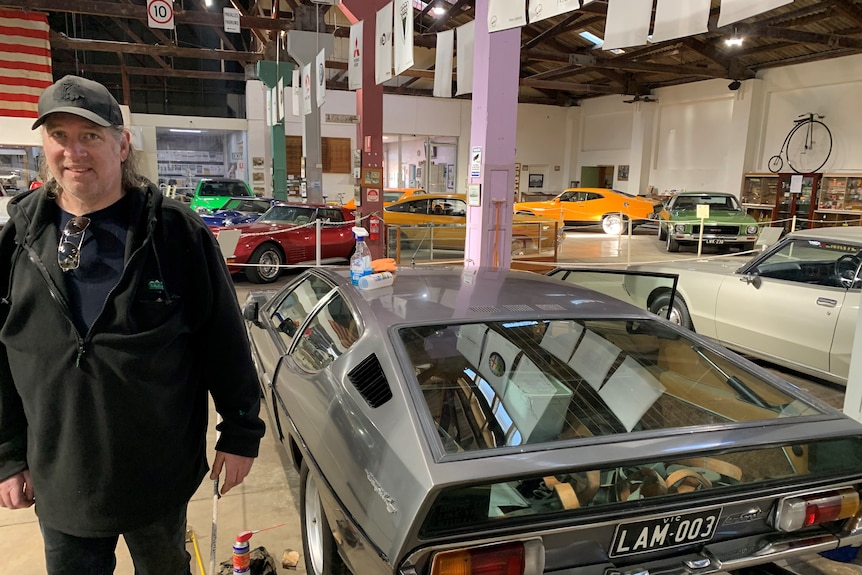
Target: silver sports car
[[507, 423]]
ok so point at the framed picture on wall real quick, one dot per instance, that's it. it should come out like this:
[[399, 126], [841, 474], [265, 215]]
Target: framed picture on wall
[[623, 173], [537, 180]]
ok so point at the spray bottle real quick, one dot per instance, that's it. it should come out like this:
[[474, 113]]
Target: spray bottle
[[242, 553], [360, 261]]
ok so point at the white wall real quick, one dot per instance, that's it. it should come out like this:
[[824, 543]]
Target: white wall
[[830, 87]]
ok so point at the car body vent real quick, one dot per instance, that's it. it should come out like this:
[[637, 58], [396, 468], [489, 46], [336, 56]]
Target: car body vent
[[484, 309], [368, 378], [518, 307], [550, 307]]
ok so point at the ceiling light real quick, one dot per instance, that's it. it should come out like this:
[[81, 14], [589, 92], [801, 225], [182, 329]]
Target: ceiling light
[[438, 10], [185, 131], [592, 38], [735, 40]]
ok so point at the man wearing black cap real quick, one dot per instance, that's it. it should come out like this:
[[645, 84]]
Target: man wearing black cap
[[111, 299]]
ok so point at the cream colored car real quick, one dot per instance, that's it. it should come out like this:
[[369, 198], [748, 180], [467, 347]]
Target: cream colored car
[[795, 305]]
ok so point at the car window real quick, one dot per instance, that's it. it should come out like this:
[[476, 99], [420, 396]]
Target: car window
[[411, 207], [296, 215], [813, 262], [498, 384], [592, 196], [332, 215], [289, 313], [495, 504], [329, 334]]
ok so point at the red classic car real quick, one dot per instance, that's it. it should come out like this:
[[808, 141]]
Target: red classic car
[[287, 234]]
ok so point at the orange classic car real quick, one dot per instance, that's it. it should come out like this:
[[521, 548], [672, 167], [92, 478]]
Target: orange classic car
[[589, 206]]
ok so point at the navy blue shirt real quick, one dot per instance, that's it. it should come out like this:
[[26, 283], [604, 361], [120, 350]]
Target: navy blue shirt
[[103, 254]]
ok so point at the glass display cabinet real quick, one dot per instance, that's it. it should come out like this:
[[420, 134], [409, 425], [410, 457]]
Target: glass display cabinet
[[759, 192], [840, 201], [795, 200]]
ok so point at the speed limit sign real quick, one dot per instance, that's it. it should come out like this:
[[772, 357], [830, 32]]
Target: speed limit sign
[[160, 14]]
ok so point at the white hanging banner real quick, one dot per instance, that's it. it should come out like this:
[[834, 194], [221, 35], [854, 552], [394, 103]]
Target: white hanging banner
[[279, 99], [383, 45], [736, 10], [231, 20], [443, 64], [627, 23], [306, 89], [679, 18], [268, 107], [320, 71], [296, 93], [354, 63], [506, 14], [403, 35], [541, 9], [464, 71]]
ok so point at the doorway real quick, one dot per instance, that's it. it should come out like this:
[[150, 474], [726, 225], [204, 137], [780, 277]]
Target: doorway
[[597, 176]]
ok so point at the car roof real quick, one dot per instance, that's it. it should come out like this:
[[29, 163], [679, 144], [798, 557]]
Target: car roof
[[836, 234], [308, 205], [432, 197], [703, 193], [444, 294]]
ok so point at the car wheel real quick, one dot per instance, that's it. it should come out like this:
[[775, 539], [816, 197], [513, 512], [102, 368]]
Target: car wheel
[[612, 224], [265, 265], [318, 544], [679, 313], [662, 233], [672, 244]]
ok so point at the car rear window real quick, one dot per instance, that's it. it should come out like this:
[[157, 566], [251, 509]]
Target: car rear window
[[214, 188], [493, 504], [500, 384]]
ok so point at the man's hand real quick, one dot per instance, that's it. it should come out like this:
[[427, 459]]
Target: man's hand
[[236, 467], [16, 492]]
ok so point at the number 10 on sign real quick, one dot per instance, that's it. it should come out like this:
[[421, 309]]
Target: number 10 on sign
[[160, 14]]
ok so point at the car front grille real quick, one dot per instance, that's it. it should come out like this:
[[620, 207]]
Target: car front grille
[[717, 230]]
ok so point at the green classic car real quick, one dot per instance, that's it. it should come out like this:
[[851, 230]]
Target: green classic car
[[212, 193], [725, 224]]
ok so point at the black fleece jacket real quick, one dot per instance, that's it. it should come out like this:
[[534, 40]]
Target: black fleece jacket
[[112, 423]]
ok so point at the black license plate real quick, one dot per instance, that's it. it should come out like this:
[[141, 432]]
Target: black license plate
[[664, 532], [713, 241]]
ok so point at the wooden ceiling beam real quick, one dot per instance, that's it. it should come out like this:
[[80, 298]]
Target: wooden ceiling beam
[[614, 64], [62, 42], [134, 12], [155, 72]]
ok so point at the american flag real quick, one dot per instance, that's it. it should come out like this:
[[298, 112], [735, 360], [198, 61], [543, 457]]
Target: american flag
[[25, 62]]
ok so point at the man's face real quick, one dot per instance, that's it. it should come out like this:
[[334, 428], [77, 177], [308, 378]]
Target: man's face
[[84, 157]]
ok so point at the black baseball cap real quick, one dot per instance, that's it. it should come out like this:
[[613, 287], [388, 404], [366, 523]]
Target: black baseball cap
[[82, 97]]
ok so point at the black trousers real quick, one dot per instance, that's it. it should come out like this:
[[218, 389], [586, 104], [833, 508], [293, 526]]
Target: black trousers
[[156, 549]]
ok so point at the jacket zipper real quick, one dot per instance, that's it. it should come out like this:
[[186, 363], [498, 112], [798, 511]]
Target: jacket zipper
[[58, 297]]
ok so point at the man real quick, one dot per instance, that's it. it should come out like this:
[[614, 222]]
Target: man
[[114, 302]]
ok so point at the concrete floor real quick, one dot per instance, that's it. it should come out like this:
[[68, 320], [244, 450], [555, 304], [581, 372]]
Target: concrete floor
[[269, 496]]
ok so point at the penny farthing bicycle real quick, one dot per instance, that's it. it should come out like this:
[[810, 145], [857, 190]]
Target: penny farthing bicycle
[[806, 148]]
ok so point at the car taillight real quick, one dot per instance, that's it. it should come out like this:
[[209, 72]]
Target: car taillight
[[508, 559], [815, 509]]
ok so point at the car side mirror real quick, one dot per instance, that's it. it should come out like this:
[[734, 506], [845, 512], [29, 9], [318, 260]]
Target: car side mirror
[[250, 312], [753, 280]]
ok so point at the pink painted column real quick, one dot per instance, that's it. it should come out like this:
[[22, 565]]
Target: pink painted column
[[492, 139], [369, 107]]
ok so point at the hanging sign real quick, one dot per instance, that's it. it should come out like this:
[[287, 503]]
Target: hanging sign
[[231, 20], [160, 14]]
